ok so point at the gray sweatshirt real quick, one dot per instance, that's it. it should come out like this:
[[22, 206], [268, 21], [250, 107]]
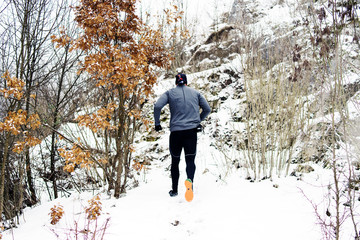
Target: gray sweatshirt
[[184, 105]]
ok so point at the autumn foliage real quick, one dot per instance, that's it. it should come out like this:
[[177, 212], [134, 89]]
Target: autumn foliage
[[56, 213], [1, 229], [91, 228], [14, 87], [122, 59], [19, 122], [138, 166], [75, 157], [94, 209], [99, 120]]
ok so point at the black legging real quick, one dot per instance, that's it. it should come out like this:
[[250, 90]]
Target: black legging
[[186, 139]]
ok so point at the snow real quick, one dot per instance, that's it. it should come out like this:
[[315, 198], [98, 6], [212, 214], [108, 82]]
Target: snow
[[230, 209], [199, 14], [354, 107]]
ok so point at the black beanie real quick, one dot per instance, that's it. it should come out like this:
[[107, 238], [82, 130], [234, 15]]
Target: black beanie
[[180, 79]]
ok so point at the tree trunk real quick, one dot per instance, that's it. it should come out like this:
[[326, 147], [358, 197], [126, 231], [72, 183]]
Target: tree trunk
[[27, 152], [29, 177], [20, 190], [2, 169], [55, 125], [52, 164], [119, 158], [24, 60], [120, 162]]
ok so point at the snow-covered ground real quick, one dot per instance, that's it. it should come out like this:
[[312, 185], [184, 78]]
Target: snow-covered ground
[[232, 208]]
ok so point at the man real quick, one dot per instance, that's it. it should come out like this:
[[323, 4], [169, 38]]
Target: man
[[185, 121]]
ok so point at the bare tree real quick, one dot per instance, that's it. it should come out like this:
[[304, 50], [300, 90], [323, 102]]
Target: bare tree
[[29, 55], [328, 23]]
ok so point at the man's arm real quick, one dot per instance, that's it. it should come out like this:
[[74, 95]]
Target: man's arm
[[161, 102], [204, 106]]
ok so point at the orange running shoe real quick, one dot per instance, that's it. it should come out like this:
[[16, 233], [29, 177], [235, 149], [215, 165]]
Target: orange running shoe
[[189, 194]]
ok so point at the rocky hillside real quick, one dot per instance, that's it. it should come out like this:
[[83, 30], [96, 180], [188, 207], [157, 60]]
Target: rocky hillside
[[273, 35]]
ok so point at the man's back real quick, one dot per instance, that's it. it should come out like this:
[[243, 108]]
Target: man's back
[[184, 105]]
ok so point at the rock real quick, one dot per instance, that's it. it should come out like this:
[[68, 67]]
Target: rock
[[216, 50], [175, 223], [215, 104], [152, 138], [214, 77], [356, 165], [219, 36], [205, 171], [304, 169]]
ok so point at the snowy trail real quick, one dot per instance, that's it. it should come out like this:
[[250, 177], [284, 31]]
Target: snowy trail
[[237, 209], [240, 210]]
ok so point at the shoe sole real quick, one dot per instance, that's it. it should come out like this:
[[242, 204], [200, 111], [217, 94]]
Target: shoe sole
[[189, 194]]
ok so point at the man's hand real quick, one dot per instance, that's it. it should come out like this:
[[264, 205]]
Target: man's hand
[[199, 128], [158, 128]]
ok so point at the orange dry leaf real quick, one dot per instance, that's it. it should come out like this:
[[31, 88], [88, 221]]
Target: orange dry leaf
[[34, 121], [61, 41], [138, 166], [19, 147], [99, 120], [75, 157], [103, 161], [13, 122], [56, 213], [94, 209], [14, 87], [1, 229], [29, 141]]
